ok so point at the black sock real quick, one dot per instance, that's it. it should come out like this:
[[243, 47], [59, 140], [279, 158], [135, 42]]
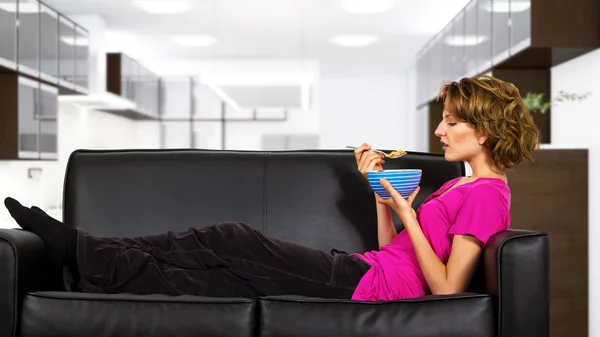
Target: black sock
[[60, 240], [39, 210]]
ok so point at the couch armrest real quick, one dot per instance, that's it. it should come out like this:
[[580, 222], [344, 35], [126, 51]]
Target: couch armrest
[[23, 267], [517, 271], [465, 315]]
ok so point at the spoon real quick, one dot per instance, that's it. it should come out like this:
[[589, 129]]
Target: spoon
[[392, 155]]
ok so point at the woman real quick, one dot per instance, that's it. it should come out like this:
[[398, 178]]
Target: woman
[[484, 122]]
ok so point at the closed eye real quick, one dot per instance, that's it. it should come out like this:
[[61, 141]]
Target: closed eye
[[452, 124]]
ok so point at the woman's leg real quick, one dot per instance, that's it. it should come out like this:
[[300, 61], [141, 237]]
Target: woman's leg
[[225, 260]]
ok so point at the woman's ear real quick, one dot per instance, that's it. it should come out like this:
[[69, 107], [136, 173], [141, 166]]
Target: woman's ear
[[482, 139]]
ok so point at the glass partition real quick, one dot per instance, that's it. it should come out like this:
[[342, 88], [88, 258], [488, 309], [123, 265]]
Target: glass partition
[[461, 40], [28, 32], [484, 35], [472, 34], [81, 58], [66, 51], [8, 33], [520, 30], [48, 44], [501, 30]]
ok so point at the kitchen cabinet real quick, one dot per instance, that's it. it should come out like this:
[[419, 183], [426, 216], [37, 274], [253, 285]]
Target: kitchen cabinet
[[29, 37], [47, 115], [421, 77], [520, 27], [447, 51], [48, 44], [66, 53], [8, 34], [436, 75], [471, 33], [129, 79], [460, 41], [501, 30], [28, 119], [484, 35], [81, 79]]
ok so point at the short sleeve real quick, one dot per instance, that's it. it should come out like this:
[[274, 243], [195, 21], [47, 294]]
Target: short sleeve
[[483, 213]]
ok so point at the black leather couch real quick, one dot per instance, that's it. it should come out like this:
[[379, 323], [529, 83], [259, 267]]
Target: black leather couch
[[315, 198]]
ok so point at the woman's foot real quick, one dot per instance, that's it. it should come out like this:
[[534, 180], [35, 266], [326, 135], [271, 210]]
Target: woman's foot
[[60, 239]]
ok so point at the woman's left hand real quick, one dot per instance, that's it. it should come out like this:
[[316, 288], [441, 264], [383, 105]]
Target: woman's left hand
[[402, 207]]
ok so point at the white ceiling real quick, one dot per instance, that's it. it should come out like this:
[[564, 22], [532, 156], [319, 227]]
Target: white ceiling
[[273, 29]]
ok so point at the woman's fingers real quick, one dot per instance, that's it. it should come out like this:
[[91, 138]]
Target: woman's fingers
[[413, 195], [369, 160], [361, 154]]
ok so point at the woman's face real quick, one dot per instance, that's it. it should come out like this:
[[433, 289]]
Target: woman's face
[[460, 140]]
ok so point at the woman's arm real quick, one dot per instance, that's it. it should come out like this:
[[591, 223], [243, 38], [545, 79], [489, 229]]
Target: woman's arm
[[455, 275], [386, 231]]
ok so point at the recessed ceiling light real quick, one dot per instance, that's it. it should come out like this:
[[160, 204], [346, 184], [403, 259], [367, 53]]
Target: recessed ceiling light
[[24, 7], [79, 41], [164, 6], [465, 40], [506, 6], [367, 6], [194, 40], [354, 40]]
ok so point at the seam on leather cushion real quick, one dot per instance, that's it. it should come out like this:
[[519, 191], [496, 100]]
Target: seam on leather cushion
[[413, 300], [128, 299]]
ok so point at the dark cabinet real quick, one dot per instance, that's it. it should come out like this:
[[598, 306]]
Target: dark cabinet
[[129, 79], [29, 37], [48, 44], [28, 119], [8, 34]]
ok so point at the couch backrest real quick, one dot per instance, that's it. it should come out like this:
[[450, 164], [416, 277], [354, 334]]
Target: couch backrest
[[316, 198]]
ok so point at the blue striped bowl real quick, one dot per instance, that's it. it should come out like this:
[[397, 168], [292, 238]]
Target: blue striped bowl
[[405, 181]]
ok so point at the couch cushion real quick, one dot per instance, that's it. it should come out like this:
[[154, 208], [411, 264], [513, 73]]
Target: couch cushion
[[76, 314], [468, 315], [319, 199], [141, 192]]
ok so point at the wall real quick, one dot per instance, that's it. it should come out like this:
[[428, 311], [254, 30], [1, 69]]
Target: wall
[[357, 108], [574, 124]]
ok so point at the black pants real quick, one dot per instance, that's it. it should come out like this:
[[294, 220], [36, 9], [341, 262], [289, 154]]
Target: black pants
[[224, 260]]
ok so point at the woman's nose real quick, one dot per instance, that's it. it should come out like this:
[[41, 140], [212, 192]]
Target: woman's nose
[[438, 131]]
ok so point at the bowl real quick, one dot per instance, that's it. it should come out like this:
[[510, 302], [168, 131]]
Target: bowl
[[405, 181]]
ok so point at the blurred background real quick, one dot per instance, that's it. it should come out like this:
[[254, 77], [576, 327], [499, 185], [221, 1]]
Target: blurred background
[[301, 74]]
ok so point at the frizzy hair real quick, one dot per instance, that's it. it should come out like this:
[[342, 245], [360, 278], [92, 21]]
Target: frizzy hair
[[495, 108]]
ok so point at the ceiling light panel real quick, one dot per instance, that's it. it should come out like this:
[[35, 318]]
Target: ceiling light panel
[[164, 6], [357, 40], [367, 6], [194, 40]]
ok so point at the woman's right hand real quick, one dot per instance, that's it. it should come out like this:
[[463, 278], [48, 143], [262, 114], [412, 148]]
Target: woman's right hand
[[368, 160]]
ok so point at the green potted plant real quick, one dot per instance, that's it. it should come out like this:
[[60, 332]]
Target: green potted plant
[[535, 101]]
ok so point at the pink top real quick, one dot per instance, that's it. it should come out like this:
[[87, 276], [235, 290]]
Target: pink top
[[480, 208]]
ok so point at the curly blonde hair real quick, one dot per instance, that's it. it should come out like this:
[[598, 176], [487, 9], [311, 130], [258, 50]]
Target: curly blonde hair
[[495, 108]]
